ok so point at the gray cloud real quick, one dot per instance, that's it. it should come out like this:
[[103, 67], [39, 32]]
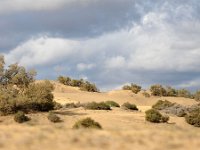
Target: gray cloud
[[110, 42]]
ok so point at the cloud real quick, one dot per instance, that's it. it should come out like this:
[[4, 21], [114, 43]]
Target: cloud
[[161, 46]]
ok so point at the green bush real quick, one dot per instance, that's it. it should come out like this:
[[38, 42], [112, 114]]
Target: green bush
[[97, 106], [160, 105], [87, 123], [193, 118], [129, 106], [133, 87], [87, 86], [53, 117], [112, 104], [153, 115], [20, 117], [158, 90]]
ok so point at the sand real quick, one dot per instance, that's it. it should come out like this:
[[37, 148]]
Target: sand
[[124, 130]]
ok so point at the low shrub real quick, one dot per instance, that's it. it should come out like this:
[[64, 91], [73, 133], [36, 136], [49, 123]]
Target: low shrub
[[97, 106], [112, 104], [185, 93], [53, 117], [129, 106], [73, 105], [158, 90], [193, 118], [133, 87], [153, 115], [171, 91], [145, 94], [87, 86], [160, 105], [87, 123], [57, 106], [20, 117]]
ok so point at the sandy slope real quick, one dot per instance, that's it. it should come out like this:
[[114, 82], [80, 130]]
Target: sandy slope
[[121, 129]]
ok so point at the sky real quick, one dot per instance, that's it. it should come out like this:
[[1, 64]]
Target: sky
[[108, 42]]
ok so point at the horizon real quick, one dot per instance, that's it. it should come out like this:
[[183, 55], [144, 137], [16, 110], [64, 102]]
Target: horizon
[[110, 43]]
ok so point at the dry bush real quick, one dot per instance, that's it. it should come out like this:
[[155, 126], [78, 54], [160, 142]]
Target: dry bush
[[160, 105], [153, 115], [20, 117], [185, 93], [112, 104], [133, 87], [87, 123], [129, 106], [171, 91], [97, 106], [197, 96], [145, 94]]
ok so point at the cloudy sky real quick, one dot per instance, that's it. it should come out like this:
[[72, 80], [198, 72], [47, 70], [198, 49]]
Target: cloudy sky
[[109, 42]]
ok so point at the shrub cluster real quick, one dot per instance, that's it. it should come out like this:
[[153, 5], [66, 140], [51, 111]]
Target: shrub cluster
[[155, 116], [159, 90], [133, 87], [18, 92], [97, 106], [82, 84], [87, 123], [145, 94], [20, 117], [112, 104], [129, 106]]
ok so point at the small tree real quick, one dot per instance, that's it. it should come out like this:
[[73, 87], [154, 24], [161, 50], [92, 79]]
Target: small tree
[[158, 90]]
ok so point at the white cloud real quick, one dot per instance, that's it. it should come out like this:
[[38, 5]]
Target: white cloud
[[84, 67]]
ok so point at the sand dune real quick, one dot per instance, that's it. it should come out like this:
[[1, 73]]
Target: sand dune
[[124, 130]]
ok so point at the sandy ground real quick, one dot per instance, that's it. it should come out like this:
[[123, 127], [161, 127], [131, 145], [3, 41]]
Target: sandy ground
[[121, 129]]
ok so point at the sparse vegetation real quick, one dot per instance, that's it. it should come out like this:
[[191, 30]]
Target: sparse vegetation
[[73, 105], [97, 106], [193, 118], [160, 105], [129, 106], [112, 104], [87, 123], [197, 96], [82, 84], [53, 117], [20, 117], [185, 93], [133, 87]]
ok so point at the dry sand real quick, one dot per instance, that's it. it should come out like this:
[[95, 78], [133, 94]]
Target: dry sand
[[125, 130]]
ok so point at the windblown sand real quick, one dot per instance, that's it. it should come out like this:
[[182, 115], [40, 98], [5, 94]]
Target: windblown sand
[[125, 130]]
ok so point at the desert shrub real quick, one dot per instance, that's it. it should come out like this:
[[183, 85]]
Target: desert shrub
[[57, 106], [126, 87], [64, 80], [87, 86], [20, 117], [160, 105], [133, 87], [193, 118], [53, 117], [82, 84], [97, 106], [184, 93], [112, 104], [145, 94], [171, 91], [197, 96], [158, 90], [72, 105], [129, 106], [153, 115], [164, 118], [87, 123]]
